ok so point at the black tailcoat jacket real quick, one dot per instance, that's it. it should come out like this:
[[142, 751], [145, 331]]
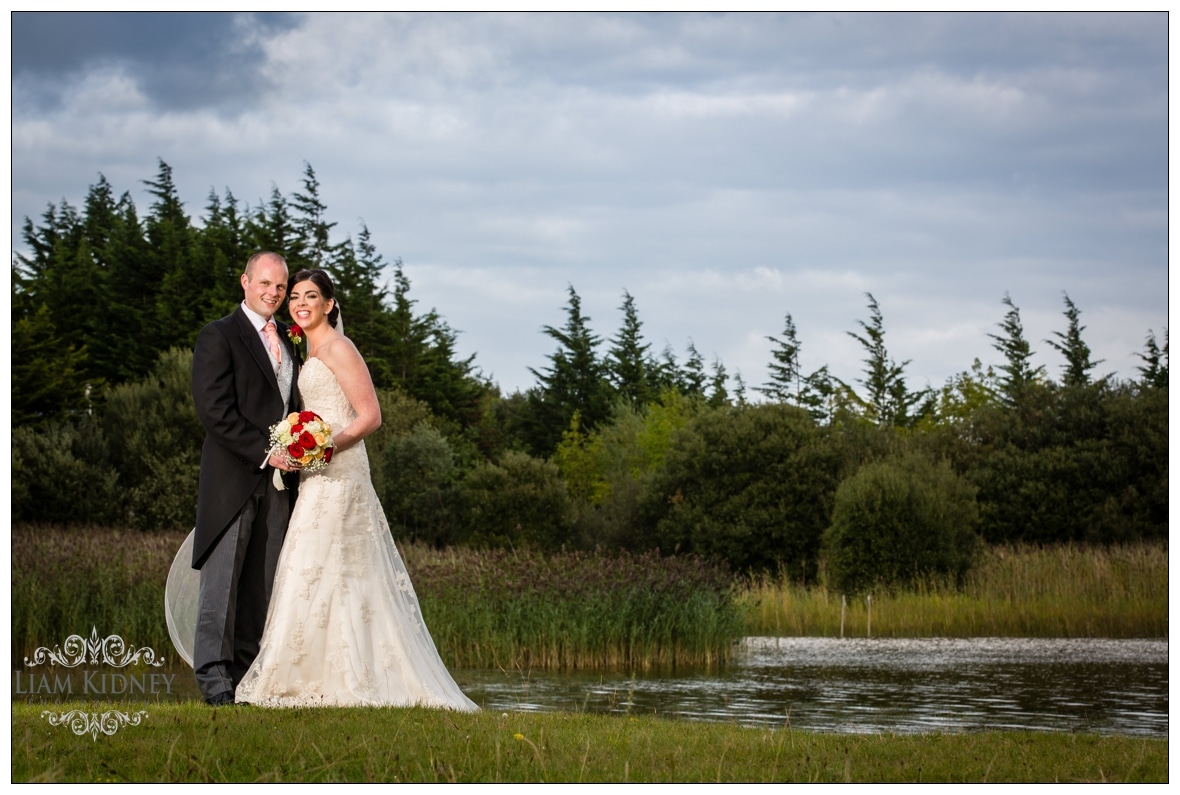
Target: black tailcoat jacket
[[237, 398]]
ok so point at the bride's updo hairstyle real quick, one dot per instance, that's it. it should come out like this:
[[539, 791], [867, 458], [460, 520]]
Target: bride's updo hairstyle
[[322, 281]]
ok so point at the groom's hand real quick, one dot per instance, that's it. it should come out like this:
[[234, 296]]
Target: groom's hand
[[281, 462]]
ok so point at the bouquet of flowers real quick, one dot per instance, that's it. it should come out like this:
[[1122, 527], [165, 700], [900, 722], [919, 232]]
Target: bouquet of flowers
[[304, 437]]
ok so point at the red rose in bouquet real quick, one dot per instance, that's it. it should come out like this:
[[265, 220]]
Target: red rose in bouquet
[[305, 438]]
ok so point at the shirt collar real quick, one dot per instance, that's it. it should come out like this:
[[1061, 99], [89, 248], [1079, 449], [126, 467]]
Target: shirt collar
[[256, 319]]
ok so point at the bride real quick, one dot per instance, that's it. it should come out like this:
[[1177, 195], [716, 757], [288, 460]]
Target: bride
[[343, 627]]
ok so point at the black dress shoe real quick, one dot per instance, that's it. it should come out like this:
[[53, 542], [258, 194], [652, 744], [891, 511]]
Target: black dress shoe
[[225, 699]]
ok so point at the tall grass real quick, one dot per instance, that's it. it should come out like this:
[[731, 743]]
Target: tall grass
[[67, 581], [569, 610], [1014, 591], [521, 610], [517, 610]]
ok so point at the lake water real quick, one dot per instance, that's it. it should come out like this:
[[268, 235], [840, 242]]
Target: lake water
[[879, 685], [816, 684]]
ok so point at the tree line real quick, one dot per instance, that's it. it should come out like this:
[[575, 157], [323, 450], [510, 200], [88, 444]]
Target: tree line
[[613, 445]]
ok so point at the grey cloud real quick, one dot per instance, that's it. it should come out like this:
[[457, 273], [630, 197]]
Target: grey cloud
[[178, 59]]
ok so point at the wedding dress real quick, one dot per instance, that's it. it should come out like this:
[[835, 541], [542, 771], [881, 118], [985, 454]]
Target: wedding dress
[[343, 627]]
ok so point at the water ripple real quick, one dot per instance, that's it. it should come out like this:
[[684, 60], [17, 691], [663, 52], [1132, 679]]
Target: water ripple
[[880, 685]]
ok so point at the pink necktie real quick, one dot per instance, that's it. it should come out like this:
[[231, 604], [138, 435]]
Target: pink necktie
[[272, 337]]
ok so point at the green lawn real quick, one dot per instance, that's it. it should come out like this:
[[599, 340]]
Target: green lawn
[[193, 743]]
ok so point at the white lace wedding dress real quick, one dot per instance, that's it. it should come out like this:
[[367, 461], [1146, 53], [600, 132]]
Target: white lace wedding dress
[[344, 627]]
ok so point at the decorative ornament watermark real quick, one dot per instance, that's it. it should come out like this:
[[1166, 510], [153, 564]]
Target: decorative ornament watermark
[[110, 651], [76, 649], [92, 723]]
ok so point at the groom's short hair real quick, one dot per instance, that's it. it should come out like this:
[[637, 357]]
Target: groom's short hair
[[250, 262]]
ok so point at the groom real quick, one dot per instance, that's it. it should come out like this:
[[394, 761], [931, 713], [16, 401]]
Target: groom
[[244, 375]]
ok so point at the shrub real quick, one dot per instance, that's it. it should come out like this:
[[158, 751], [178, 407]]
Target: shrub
[[418, 486], [154, 439], [899, 520], [519, 501], [61, 473], [748, 485], [1086, 463]]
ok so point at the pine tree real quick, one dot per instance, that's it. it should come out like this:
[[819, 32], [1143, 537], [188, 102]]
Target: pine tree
[[186, 291], [575, 382], [417, 352], [739, 389], [361, 296], [1018, 375], [787, 383], [888, 401], [132, 298], [1155, 370], [222, 244], [271, 228], [310, 224], [692, 377], [627, 360], [664, 373], [48, 372], [1076, 352], [718, 394]]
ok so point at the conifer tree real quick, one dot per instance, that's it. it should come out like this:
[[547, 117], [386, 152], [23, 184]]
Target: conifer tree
[[787, 383], [361, 295], [310, 223], [222, 243], [665, 372], [692, 377], [48, 372], [1018, 375], [1076, 352], [185, 291], [1154, 372], [574, 382], [627, 360], [271, 228], [887, 401], [718, 394]]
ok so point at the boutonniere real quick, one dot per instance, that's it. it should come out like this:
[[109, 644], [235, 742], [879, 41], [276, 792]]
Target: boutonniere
[[295, 334]]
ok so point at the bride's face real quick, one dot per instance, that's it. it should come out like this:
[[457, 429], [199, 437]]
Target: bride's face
[[307, 304]]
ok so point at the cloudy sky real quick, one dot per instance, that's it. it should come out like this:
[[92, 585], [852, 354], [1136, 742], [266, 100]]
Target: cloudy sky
[[724, 169]]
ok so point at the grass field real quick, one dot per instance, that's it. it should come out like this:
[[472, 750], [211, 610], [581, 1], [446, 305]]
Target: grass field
[[195, 743]]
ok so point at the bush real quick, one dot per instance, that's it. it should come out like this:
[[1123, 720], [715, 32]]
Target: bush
[[1090, 464], [418, 487], [61, 473], [750, 485], [897, 521], [154, 439], [520, 501], [608, 470]]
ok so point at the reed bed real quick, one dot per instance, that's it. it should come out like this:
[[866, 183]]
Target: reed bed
[[70, 580], [485, 608], [525, 610], [575, 610], [1065, 591]]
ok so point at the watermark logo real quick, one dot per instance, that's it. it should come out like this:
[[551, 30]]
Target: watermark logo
[[110, 650], [77, 651], [92, 723]]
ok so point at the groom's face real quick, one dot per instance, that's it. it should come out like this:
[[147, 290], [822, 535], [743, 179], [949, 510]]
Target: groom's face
[[265, 286]]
